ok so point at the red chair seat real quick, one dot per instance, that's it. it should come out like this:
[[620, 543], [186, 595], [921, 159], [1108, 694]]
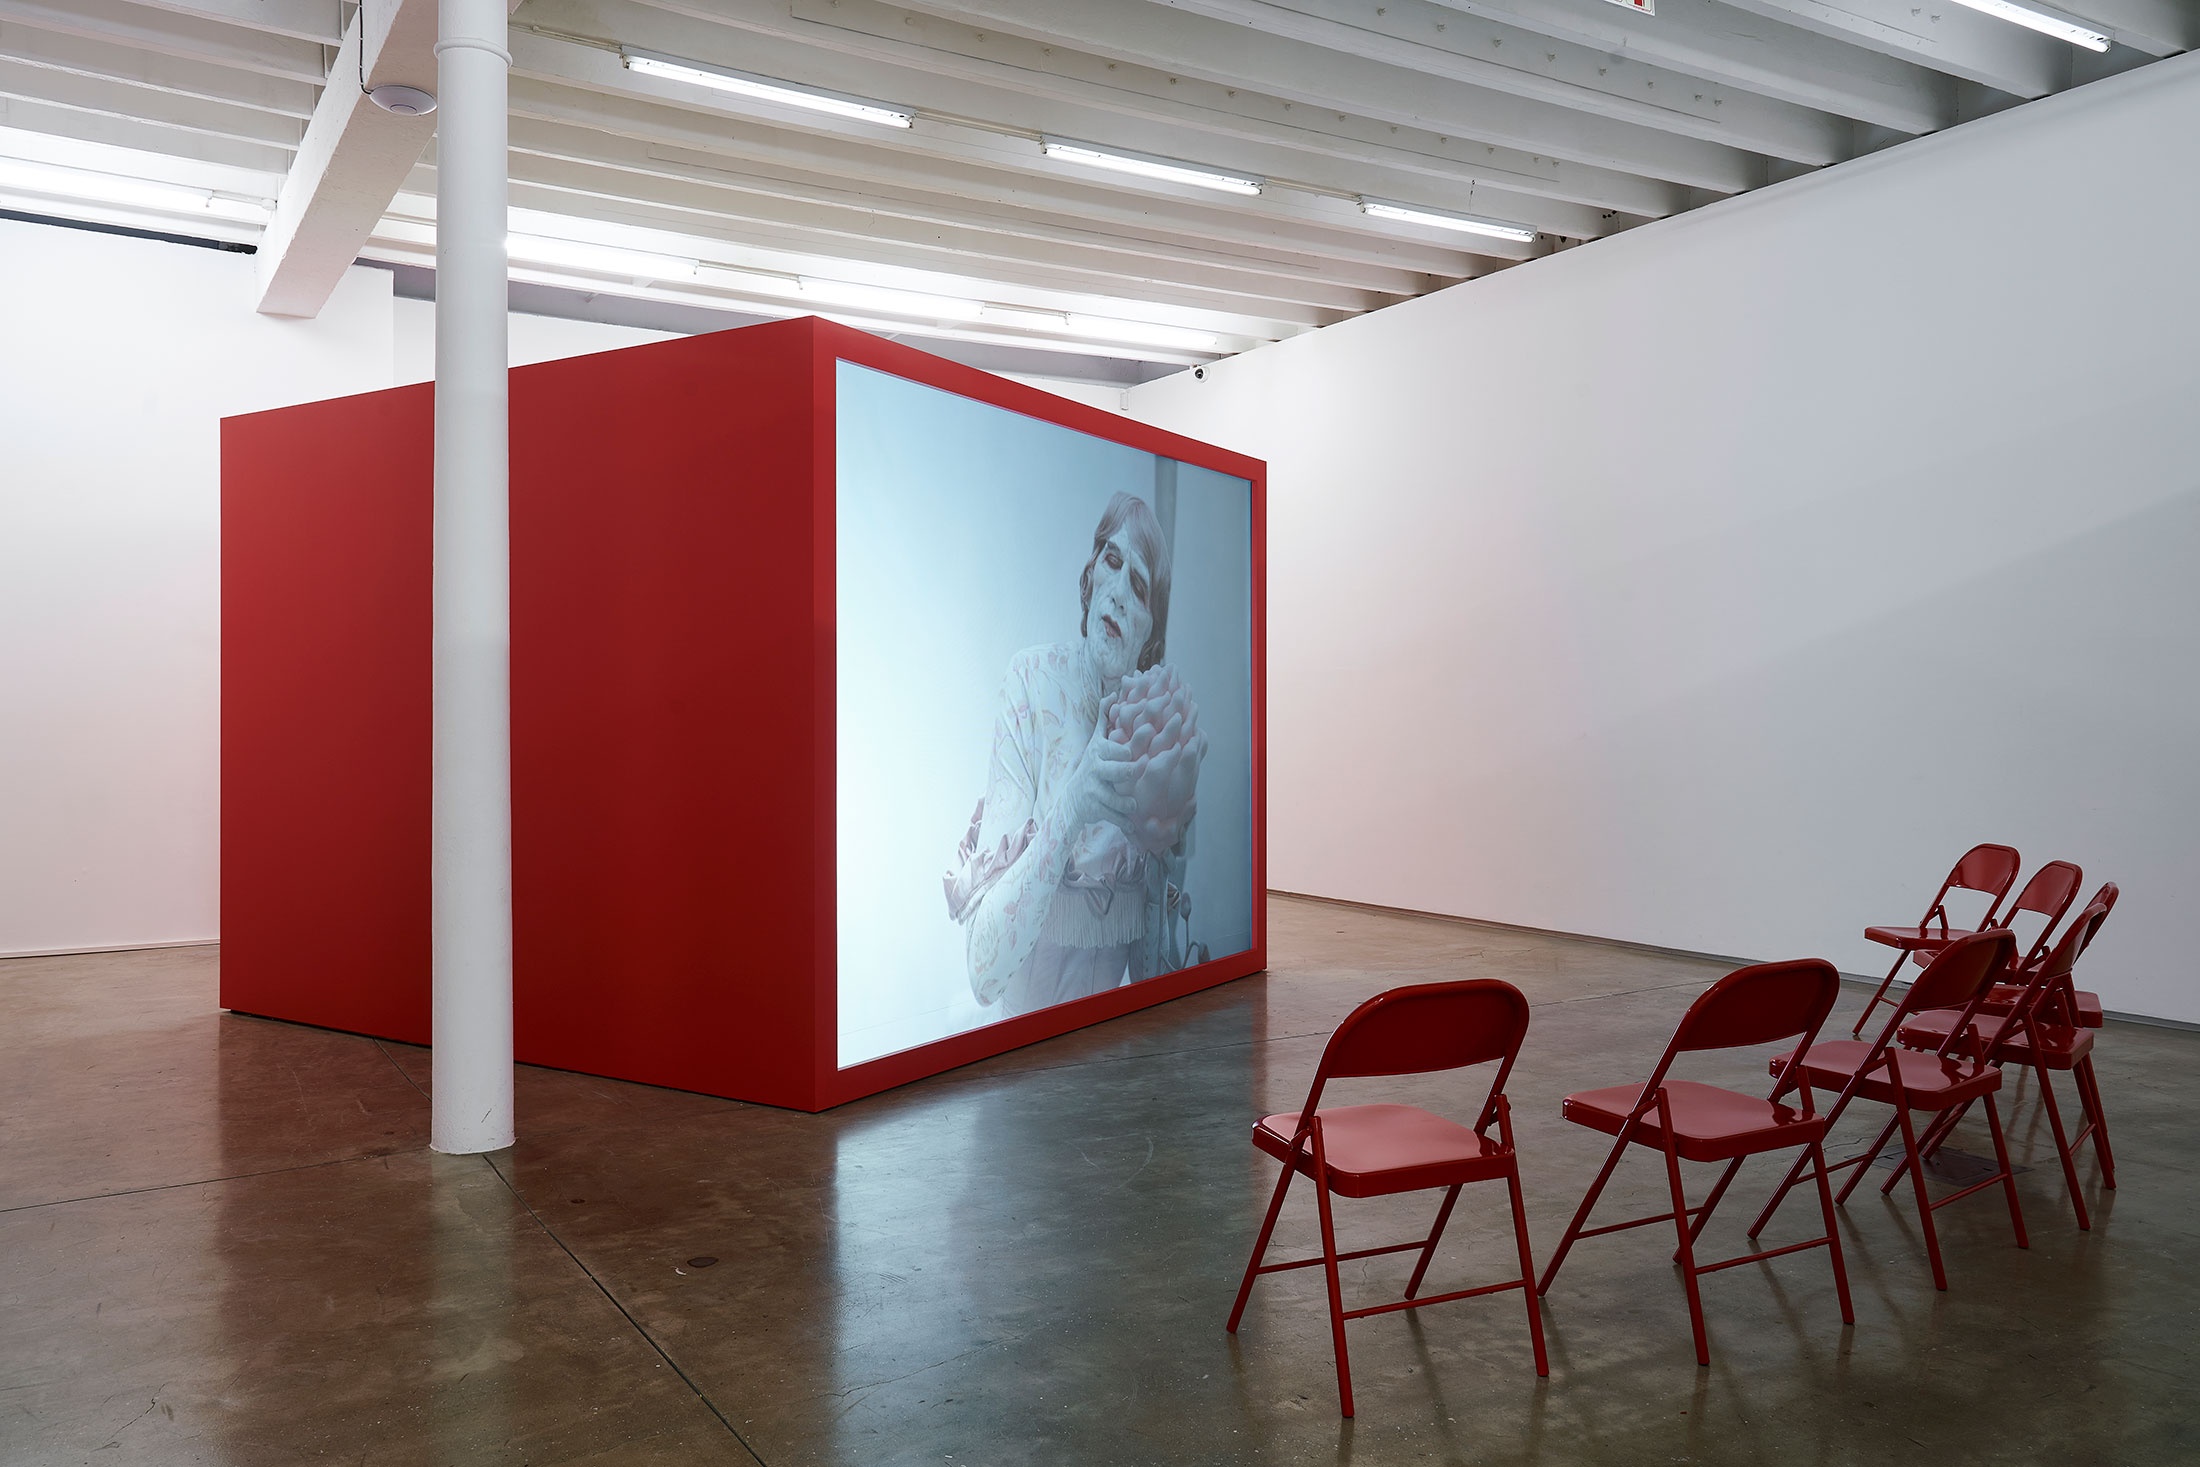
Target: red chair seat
[[2005, 995], [1709, 1123], [1912, 939], [1375, 1150], [2053, 1045], [1932, 1083]]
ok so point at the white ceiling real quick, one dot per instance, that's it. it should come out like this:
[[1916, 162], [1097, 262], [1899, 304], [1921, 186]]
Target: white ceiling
[[1574, 118]]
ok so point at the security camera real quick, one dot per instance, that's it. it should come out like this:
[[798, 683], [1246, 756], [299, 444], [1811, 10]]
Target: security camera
[[1199, 374], [404, 101]]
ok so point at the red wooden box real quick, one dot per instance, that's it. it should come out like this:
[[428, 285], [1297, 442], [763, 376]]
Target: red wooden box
[[673, 714]]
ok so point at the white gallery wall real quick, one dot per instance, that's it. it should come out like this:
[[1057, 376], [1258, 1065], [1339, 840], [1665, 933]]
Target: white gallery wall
[[1714, 586], [118, 359]]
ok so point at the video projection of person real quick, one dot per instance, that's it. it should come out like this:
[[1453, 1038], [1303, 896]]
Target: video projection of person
[[1110, 762]]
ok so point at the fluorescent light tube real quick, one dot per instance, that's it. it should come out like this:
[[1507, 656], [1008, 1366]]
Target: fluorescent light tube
[[1143, 333], [2046, 25], [764, 89], [1495, 229], [596, 259], [726, 277], [1145, 167], [1026, 319], [858, 297], [135, 193]]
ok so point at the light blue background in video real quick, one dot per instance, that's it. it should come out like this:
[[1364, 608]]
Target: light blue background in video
[[962, 528]]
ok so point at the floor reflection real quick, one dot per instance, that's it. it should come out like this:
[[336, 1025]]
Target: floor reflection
[[228, 1243]]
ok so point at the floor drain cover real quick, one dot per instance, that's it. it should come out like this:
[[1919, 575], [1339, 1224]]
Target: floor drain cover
[[703, 1262]]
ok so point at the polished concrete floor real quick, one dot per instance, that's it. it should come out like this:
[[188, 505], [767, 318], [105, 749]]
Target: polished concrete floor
[[224, 1240]]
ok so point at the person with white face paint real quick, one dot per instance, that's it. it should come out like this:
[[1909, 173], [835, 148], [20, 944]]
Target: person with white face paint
[[1059, 899]]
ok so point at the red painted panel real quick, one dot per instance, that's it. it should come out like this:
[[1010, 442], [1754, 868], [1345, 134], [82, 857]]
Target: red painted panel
[[325, 706], [664, 750], [673, 622]]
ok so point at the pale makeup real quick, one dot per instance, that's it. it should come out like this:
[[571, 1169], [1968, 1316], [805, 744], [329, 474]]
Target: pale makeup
[[1119, 619]]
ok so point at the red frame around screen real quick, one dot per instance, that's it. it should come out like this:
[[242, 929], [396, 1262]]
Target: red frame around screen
[[657, 503]]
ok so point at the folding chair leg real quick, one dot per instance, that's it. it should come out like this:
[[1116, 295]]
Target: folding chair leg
[[1581, 1213], [1870, 1156], [1680, 1226], [1329, 1267], [1917, 1183], [2062, 1149], [1260, 1246], [1795, 1172], [1879, 993], [2089, 1089], [2008, 1176], [1527, 1271], [1833, 1233], [1944, 1126], [1718, 1190], [1779, 1195], [1443, 1215], [1929, 1142]]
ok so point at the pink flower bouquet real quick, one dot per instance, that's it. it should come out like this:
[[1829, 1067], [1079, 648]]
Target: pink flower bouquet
[[1155, 716]]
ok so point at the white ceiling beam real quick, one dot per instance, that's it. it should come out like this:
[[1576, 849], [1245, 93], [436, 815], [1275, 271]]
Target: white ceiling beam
[[169, 34], [185, 78], [972, 197], [588, 86], [161, 167], [741, 308], [940, 158], [1944, 36], [2157, 27], [847, 229], [308, 20], [729, 246], [127, 101], [1428, 41], [1305, 279], [353, 160], [1704, 38], [1309, 75], [991, 79], [144, 137]]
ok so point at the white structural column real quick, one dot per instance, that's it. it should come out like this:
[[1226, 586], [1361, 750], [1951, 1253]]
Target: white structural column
[[472, 1095]]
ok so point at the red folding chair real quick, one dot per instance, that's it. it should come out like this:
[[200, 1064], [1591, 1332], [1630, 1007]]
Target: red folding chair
[[1985, 868], [1941, 1083], [2048, 894], [1380, 1150], [2085, 1006], [2039, 1032], [1696, 1122]]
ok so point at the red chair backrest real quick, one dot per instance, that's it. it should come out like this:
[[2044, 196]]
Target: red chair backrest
[[1426, 1027], [1960, 973], [2050, 891], [1759, 1005], [2048, 995], [1423, 1028], [2105, 899], [1991, 869]]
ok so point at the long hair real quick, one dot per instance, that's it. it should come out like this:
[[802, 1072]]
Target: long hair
[[1131, 512]]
